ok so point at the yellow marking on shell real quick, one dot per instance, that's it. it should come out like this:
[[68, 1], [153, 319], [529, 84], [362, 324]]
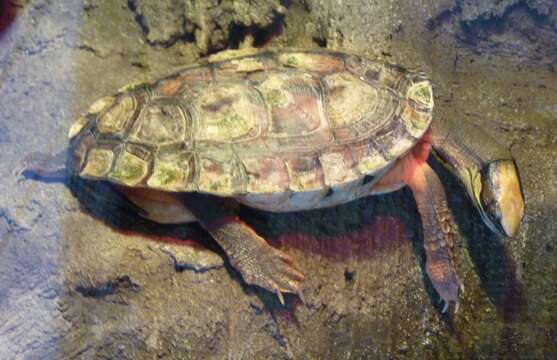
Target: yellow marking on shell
[[421, 93], [415, 120], [247, 65], [170, 176], [231, 54], [320, 62], [77, 126], [336, 170], [371, 163], [116, 118], [99, 162], [215, 177], [129, 169], [101, 104], [132, 86], [401, 146], [309, 176]]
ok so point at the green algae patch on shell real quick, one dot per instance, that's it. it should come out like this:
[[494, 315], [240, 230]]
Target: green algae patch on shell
[[99, 162], [171, 174], [215, 177], [129, 169]]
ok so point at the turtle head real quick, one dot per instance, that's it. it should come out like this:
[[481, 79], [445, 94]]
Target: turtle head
[[497, 191]]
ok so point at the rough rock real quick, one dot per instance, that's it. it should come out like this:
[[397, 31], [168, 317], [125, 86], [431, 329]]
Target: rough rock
[[213, 24], [81, 278]]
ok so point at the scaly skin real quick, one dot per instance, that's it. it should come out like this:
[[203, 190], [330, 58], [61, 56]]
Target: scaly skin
[[437, 221], [259, 263]]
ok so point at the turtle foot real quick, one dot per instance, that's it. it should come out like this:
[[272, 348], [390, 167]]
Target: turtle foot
[[272, 270], [445, 282]]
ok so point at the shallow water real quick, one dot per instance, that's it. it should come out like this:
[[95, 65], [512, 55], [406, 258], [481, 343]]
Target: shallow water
[[95, 281]]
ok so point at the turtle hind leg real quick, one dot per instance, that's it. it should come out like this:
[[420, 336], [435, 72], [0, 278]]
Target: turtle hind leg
[[43, 167], [438, 225], [259, 263]]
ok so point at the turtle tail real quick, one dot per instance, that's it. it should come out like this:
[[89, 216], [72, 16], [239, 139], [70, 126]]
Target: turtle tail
[[44, 167]]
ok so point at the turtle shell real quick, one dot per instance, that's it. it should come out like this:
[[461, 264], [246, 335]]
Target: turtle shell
[[264, 125]]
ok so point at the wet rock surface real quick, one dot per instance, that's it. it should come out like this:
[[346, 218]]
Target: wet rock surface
[[85, 279]]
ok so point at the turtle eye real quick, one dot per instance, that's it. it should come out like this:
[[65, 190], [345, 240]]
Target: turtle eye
[[501, 197]]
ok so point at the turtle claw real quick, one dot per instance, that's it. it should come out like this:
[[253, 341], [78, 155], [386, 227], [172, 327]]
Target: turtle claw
[[445, 307], [279, 295], [300, 294], [273, 270]]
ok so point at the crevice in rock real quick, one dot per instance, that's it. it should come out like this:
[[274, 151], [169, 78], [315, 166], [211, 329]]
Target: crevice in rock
[[9, 225], [89, 49], [513, 29], [443, 18], [260, 35], [139, 18], [109, 288], [483, 26]]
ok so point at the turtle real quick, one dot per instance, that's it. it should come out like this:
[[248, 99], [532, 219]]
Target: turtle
[[286, 130]]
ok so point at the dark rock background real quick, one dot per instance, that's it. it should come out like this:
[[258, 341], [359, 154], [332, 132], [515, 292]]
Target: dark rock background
[[79, 281]]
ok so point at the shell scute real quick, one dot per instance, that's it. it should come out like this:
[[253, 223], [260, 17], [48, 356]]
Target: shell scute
[[220, 176], [118, 116], [305, 173], [172, 171], [266, 175], [228, 112], [321, 62], [160, 123], [338, 167], [294, 103], [129, 169], [99, 163]]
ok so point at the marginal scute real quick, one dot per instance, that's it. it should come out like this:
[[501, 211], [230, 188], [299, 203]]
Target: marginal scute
[[77, 126], [232, 54], [415, 120], [305, 173], [242, 66], [422, 94], [172, 173], [160, 123], [218, 177], [116, 118], [266, 175], [99, 162], [369, 159], [101, 104], [317, 62], [129, 169], [338, 167]]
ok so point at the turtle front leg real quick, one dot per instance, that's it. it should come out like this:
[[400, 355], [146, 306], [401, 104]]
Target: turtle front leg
[[438, 225], [259, 263]]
